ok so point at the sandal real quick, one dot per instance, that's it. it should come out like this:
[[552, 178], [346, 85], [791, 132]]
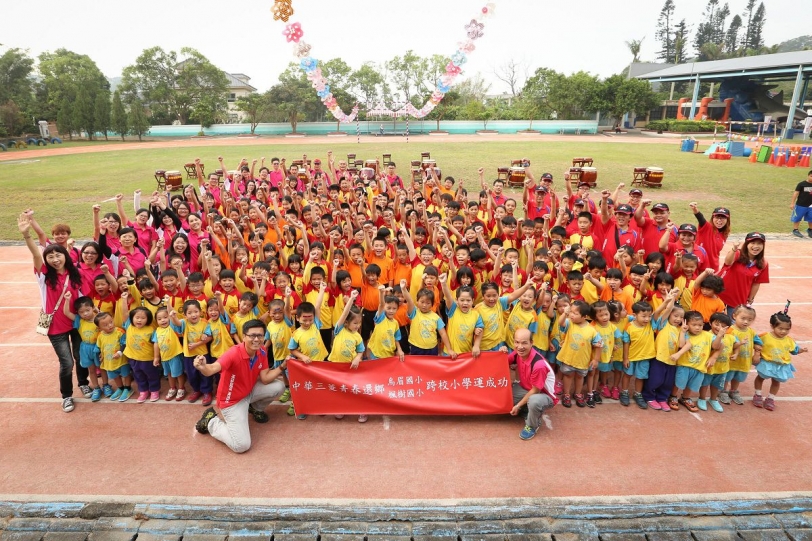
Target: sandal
[[689, 404], [673, 403]]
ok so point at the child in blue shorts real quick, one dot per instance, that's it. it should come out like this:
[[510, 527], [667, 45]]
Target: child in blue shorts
[[693, 361], [111, 342], [168, 353], [776, 361], [714, 381], [88, 352]]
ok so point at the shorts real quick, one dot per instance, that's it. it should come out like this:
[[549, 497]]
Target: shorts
[[737, 375], [88, 355], [714, 380], [779, 372], [606, 367], [567, 369], [552, 357], [173, 367], [495, 348], [801, 214], [617, 365], [688, 377], [414, 350], [638, 369], [123, 371]]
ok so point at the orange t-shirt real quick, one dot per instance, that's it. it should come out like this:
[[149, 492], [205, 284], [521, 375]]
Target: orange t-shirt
[[621, 296], [387, 266], [707, 306], [370, 297]]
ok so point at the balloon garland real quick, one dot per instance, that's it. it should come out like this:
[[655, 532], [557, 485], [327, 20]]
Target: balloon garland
[[293, 34]]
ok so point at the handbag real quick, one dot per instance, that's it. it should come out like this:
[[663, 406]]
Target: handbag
[[44, 322]]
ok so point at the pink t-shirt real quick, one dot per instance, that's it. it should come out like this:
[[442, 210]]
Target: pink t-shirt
[[60, 323]]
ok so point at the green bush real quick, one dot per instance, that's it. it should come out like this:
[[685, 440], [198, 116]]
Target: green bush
[[682, 126]]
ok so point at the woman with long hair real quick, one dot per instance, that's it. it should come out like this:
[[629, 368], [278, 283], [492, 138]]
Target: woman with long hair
[[744, 271]]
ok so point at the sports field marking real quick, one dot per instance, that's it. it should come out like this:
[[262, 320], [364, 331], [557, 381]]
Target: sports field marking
[[386, 421], [24, 282]]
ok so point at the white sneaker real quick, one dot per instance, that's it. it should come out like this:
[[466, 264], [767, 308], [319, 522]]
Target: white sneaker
[[86, 391], [67, 404], [362, 418]]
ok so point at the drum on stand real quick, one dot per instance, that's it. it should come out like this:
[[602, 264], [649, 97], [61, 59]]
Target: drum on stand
[[590, 175], [428, 163], [517, 176], [372, 164], [654, 176], [174, 180], [367, 173]]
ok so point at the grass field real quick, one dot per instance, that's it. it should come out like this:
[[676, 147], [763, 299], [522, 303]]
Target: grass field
[[64, 188]]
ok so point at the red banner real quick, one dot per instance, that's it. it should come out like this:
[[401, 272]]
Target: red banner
[[420, 385]]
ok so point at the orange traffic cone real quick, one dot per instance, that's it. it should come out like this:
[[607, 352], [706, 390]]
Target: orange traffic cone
[[781, 161], [771, 161], [804, 160], [754, 155], [793, 160]]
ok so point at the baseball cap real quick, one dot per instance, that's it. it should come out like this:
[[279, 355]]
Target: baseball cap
[[624, 209], [687, 228], [541, 189], [660, 206], [721, 211], [636, 191], [580, 202], [317, 161], [755, 236], [547, 176], [584, 183]]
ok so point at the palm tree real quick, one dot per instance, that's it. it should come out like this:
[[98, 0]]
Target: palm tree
[[634, 48]]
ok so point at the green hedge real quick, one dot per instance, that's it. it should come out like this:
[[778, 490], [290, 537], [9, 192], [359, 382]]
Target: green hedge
[[682, 126]]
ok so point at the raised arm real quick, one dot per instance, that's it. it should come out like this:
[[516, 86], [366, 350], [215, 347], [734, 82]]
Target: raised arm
[[404, 287], [24, 226]]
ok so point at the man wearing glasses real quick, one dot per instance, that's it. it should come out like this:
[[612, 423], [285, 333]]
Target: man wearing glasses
[[247, 385]]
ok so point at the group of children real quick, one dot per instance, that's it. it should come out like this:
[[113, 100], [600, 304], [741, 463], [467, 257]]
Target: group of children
[[346, 269]]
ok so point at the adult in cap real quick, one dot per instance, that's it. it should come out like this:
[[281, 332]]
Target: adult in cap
[[652, 228], [745, 269], [685, 244], [615, 231], [712, 235], [581, 194]]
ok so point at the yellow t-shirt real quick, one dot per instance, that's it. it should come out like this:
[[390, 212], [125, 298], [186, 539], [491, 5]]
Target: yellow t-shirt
[[346, 345], [280, 334], [747, 338], [168, 342], [590, 293], [541, 338], [221, 330], [139, 343], [587, 241], [239, 320], [576, 350], [193, 332], [87, 330], [326, 315], [722, 363], [109, 345], [667, 343], [700, 351], [308, 342], [519, 318], [461, 328], [423, 329], [617, 353], [641, 341], [777, 350], [686, 288], [383, 341], [493, 334], [609, 335]]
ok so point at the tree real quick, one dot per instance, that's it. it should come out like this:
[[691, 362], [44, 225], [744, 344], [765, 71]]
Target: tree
[[64, 118], [15, 77], [732, 36], [712, 28], [749, 12], [138, 121], [101, 113], [171, 87], [413, 75], [255, 106], [681, 42], [11, 118], [634, 48], [293, 97], [513, 74], [83, 113], [64, 74], [445, 109], [620, 95], [119, 116], [571, 97], [363, 83], [535, 94], [756, 32], [665, 32]]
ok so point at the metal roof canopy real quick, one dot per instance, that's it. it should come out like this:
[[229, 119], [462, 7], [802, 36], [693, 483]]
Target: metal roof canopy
[[780, 65], [767, 66]]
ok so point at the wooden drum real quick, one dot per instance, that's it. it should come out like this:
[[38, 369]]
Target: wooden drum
[[590, 175], [654, 176], [367, 173], [428, 163], [371, 164], [517, 176], [174, 180]]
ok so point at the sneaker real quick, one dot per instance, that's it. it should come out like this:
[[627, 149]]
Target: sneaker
[[624, 398], [579, 401], [527, 433], [615, 393], [653, 404], [596, 396], [665, 406], [758, 401], [566, 401], [202, 425], [702, 404], [284, 397], [142, 397], [291, 410], [116, 395], [717, 407], [125, 395], [206, 399], [107, 390], [194, 396], [673, 403], [605, 392], [181, 395], [154, 396], [67, 404], [769, 404], [640, 401], [724, 397], [363, 418], [171, 394], [797, 233], [736, 398], [559, 388], [590, 399], [96, 395], [339, 417], [302, 416], [86, 391], [258, 415], [809, 233]]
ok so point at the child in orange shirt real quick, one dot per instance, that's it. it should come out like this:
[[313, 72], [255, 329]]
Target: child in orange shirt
[[705, 291]]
